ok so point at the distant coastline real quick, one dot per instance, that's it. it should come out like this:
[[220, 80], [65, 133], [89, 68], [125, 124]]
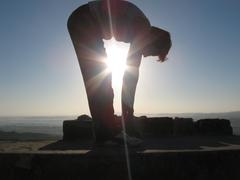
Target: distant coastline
[[52, 125]]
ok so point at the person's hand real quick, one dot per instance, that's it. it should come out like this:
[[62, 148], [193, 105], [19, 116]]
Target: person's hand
[[163, 56]]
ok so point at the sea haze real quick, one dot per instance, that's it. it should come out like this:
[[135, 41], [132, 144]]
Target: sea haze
[[46, 124], [53, 124]]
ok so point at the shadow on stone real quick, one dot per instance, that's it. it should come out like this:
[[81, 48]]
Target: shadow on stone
[[69, 145], [165, 143]]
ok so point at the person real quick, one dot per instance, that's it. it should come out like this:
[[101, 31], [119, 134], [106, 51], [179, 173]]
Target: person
[[88, 25]]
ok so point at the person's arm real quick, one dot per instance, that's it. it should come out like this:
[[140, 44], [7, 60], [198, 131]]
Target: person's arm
[[139, 27]]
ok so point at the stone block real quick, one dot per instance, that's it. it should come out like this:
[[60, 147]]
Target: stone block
[[158, 126], [183, 126], [81, 128], [213, 127]]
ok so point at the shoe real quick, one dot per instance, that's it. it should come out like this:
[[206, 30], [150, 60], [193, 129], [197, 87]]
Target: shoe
[[118, 140], [130, 140]]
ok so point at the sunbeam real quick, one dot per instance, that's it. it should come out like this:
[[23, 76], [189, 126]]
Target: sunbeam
[[116, 60]]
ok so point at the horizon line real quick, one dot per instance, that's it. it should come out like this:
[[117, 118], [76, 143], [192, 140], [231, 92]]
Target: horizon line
[[117, 113]]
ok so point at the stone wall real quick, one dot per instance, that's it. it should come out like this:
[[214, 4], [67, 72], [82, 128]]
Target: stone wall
[[81, 128], [213, 127], [111, 164]]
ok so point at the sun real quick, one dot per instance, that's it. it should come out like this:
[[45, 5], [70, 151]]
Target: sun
[[116, 60]]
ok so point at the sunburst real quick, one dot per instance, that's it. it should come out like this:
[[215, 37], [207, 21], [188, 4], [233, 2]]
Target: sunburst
[[116, 60]]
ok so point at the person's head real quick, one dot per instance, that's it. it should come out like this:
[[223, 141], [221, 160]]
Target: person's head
[[158, 43]]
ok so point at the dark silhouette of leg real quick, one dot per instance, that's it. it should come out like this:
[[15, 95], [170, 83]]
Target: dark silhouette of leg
[[90, 52], [130, 80]]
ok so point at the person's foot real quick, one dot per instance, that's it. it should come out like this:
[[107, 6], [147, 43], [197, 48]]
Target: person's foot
[[119, 140], [130, 140]]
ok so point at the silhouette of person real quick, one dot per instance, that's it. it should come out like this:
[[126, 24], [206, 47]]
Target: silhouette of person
[[88, 25]]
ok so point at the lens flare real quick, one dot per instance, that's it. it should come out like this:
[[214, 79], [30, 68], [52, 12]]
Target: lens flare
[[117, 53], [116, 60]]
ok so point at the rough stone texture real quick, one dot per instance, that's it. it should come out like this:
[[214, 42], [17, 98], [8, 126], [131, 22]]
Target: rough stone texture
[[158, 126], [151, 127], [183, 126], [81, 128], [213, 127], [111, 164], [84, 117]]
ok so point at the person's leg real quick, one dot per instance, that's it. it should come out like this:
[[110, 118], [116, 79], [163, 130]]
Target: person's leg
[[90, 51], [130, 80]]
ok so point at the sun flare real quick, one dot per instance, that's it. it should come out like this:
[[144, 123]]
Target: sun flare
[[116, 60]]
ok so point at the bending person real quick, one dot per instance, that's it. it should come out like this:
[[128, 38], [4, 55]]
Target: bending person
[[88, 26]]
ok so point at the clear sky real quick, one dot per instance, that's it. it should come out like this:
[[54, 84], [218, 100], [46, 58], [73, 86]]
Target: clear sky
[[40, 75]]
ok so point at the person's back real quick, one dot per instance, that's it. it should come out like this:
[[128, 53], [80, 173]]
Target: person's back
[[119, 19]]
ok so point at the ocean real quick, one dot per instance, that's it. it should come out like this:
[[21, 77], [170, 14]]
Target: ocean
[[53, 124]]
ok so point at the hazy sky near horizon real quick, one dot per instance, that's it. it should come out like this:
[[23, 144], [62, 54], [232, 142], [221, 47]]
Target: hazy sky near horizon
[[40, 75]]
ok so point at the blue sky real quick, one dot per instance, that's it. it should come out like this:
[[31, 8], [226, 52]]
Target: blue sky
[[40, 75]]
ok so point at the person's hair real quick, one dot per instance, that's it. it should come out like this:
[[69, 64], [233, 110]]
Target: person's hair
[[160, 39]]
